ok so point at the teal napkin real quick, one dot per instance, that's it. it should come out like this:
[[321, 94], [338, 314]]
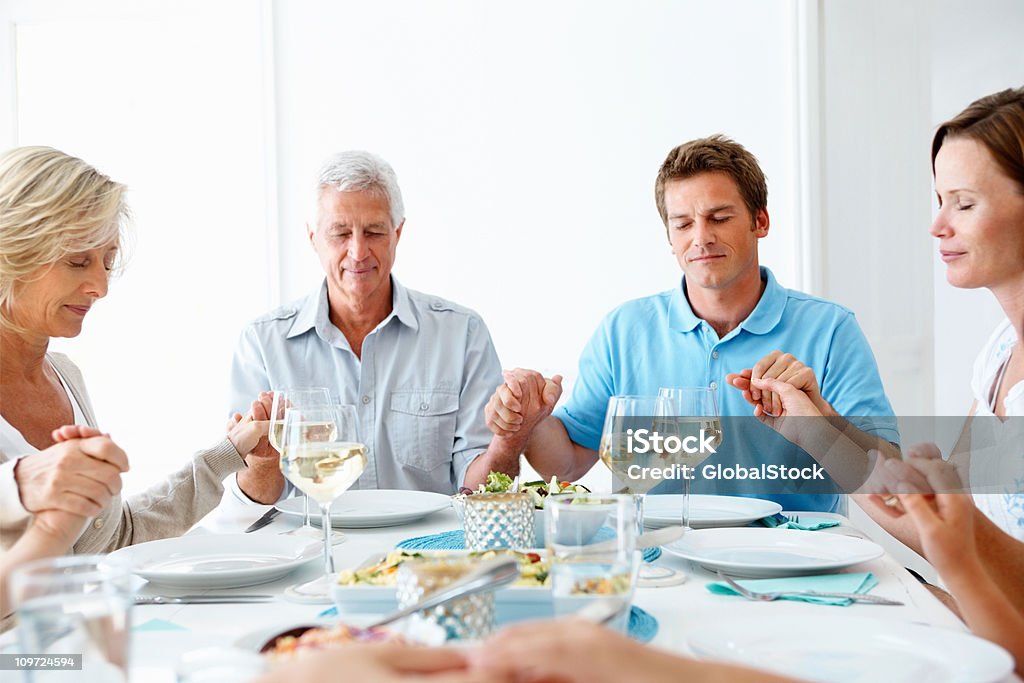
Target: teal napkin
[[780, 521], [159, 625], [824, 583]]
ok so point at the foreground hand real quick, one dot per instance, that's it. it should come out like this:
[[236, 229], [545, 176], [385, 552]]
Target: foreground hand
[[383, 663], [945, 525], [78, 476], [522, 401], [577, 651]]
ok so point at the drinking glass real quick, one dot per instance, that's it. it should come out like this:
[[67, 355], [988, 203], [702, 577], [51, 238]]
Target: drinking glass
[[696, 412], [298, 397], [622, 450], [323, 456], [75, 605], [591, 544]]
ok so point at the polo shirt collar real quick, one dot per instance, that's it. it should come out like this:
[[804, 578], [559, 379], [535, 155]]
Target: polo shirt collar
[[314, 314], [768, 312], [681, 317], [762, 320]]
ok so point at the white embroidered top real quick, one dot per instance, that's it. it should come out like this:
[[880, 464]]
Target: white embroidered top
[[1005, 468]]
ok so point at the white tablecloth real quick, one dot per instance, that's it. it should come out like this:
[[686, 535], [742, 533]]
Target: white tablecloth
[[163, 633]]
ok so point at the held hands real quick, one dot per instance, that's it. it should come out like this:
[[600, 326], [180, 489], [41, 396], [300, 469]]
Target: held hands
[[922, 472], [78, 475], [249, 434], [518, 405], [764, 386]]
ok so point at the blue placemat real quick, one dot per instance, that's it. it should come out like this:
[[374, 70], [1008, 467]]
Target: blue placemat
[[453, 540], [642, 626]]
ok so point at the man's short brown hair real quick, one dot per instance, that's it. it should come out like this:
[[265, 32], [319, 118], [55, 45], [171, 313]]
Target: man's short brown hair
[[708, 155]]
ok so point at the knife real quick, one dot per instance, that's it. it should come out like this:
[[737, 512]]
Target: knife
[[266, 519], [198, 599]]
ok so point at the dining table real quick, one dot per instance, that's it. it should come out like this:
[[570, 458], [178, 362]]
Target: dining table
[[162, 634]]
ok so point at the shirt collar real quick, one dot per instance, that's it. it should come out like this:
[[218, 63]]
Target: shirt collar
[[314, 312], [763, 319]]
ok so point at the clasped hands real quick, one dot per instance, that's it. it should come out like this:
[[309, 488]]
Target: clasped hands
[[518, 405]]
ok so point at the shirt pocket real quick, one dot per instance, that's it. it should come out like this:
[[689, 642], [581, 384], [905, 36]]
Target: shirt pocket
[[422, 427]]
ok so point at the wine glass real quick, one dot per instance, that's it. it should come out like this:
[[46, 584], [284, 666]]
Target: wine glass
[[298, 397], [322, 455], [625, 447], [638, 459], [696, 411]]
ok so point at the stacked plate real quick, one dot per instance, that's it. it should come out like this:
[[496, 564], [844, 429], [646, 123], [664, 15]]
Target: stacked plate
[[218, 560], [706, 511], [767, 553], [364, 509]]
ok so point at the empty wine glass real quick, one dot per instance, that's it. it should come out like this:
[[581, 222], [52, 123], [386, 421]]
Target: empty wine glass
[[298, 397]]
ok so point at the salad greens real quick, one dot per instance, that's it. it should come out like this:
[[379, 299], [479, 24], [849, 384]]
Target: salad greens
[[499, 482]]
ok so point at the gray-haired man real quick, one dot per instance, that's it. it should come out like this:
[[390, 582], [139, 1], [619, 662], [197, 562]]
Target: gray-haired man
[[419, 369]]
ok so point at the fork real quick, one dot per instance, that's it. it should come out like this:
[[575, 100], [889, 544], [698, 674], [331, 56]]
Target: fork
[[775, 595]]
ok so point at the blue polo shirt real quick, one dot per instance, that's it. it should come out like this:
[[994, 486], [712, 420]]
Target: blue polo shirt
[[658, 341]]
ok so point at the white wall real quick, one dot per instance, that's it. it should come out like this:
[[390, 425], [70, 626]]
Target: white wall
[[875, 187], [166, 98], [526, 139]]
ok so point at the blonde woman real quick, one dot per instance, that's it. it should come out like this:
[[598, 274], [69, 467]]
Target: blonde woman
[[62, 225]]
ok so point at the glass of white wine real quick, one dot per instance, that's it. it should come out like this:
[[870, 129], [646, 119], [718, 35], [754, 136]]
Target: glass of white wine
[[695, 410], [622, 447], [322, 455], [298, 397], [631, 455]]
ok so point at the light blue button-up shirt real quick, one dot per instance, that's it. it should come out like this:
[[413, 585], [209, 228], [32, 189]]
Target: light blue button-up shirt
[[658, 341], [426, 372]]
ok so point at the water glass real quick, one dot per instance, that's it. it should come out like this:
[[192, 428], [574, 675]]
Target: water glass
[[75, 605], [498, 520], [467, 618], [591, 544]]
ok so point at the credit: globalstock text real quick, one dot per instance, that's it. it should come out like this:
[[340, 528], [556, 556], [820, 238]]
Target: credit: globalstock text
[[758, 472]]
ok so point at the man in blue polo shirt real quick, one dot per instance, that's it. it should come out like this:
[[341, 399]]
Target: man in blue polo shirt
[[728, 321]]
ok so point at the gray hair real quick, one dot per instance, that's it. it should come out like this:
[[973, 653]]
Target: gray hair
[[358, 171]]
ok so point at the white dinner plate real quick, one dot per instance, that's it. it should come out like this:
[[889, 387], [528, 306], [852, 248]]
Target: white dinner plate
[[218, 560], [366, 508], [706, 511], [765, 553], [845, 649]]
